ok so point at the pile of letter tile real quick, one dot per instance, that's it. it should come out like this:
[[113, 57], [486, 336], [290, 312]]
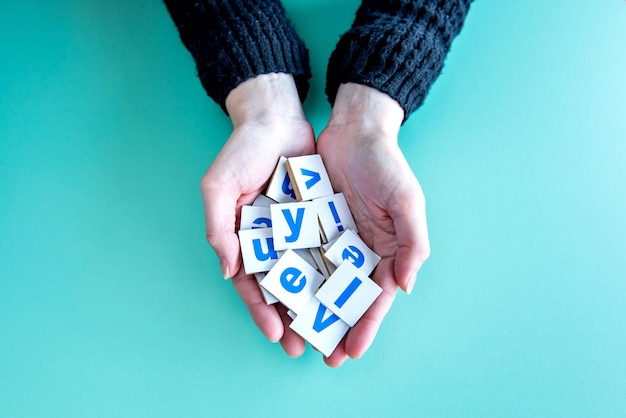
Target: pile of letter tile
[[302, 244]]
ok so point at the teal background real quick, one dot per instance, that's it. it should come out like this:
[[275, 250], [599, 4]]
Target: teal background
[[112, 304]]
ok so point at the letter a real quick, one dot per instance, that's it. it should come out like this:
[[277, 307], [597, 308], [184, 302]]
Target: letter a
[[288, 188]]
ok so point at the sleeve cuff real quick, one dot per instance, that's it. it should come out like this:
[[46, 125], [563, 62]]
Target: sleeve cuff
[[232, 41], [397, 47]]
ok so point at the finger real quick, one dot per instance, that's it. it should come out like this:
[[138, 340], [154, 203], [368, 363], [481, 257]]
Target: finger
[[264, 316], [292, 343], [361, 336], [338, 356], [412, 232], [220, 211]]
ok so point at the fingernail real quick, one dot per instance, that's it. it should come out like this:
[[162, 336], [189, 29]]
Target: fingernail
[[411, 284], [224, 267]]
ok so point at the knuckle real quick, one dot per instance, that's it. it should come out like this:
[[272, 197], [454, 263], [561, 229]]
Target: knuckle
[[213, 239], [207, 182], [424, 253]]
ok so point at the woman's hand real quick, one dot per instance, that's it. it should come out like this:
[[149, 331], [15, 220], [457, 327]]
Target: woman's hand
[[268, 123], [359, 148]]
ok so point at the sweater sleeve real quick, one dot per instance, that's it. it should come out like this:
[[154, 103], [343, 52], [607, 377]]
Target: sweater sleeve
[[397, 47], [234, 40]]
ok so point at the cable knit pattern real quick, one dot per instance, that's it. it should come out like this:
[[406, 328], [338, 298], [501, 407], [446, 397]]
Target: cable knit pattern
[[397, 47], [234, 40]]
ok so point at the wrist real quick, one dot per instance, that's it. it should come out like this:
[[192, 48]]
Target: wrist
[[366, 109], [265, 98]]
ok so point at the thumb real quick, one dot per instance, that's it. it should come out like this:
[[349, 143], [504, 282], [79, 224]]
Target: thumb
[[413, 245], [220, 212]]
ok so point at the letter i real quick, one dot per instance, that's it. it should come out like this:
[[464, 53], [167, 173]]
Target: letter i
[[333, 210]]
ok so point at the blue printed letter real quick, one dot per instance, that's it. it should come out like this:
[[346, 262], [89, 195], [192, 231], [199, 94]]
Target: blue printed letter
[[288, 188], [262, 223], [333, 210], [354, 255], [260, 254], [314, 177], [291, 280], [354, 284], [320, 324], [294, 226]]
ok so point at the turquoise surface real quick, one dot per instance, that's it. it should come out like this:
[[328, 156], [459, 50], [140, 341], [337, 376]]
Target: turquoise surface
[[112, 304]]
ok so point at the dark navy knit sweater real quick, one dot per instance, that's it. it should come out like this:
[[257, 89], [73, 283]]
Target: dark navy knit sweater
[[395, 46]]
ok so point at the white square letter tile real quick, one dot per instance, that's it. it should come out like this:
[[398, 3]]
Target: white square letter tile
[[253, 217], [309, 177], [293, 281], [334, 215], [320, 327], [306, 255], [350, 247], [295, 225], [348, 293], [257, 250], [263, 201], [280, 188]]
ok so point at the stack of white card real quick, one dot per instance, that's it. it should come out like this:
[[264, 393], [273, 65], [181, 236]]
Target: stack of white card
[[302, 244]]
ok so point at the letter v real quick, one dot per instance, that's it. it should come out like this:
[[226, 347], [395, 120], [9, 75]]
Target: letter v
[[314, 177], [320, 324]]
